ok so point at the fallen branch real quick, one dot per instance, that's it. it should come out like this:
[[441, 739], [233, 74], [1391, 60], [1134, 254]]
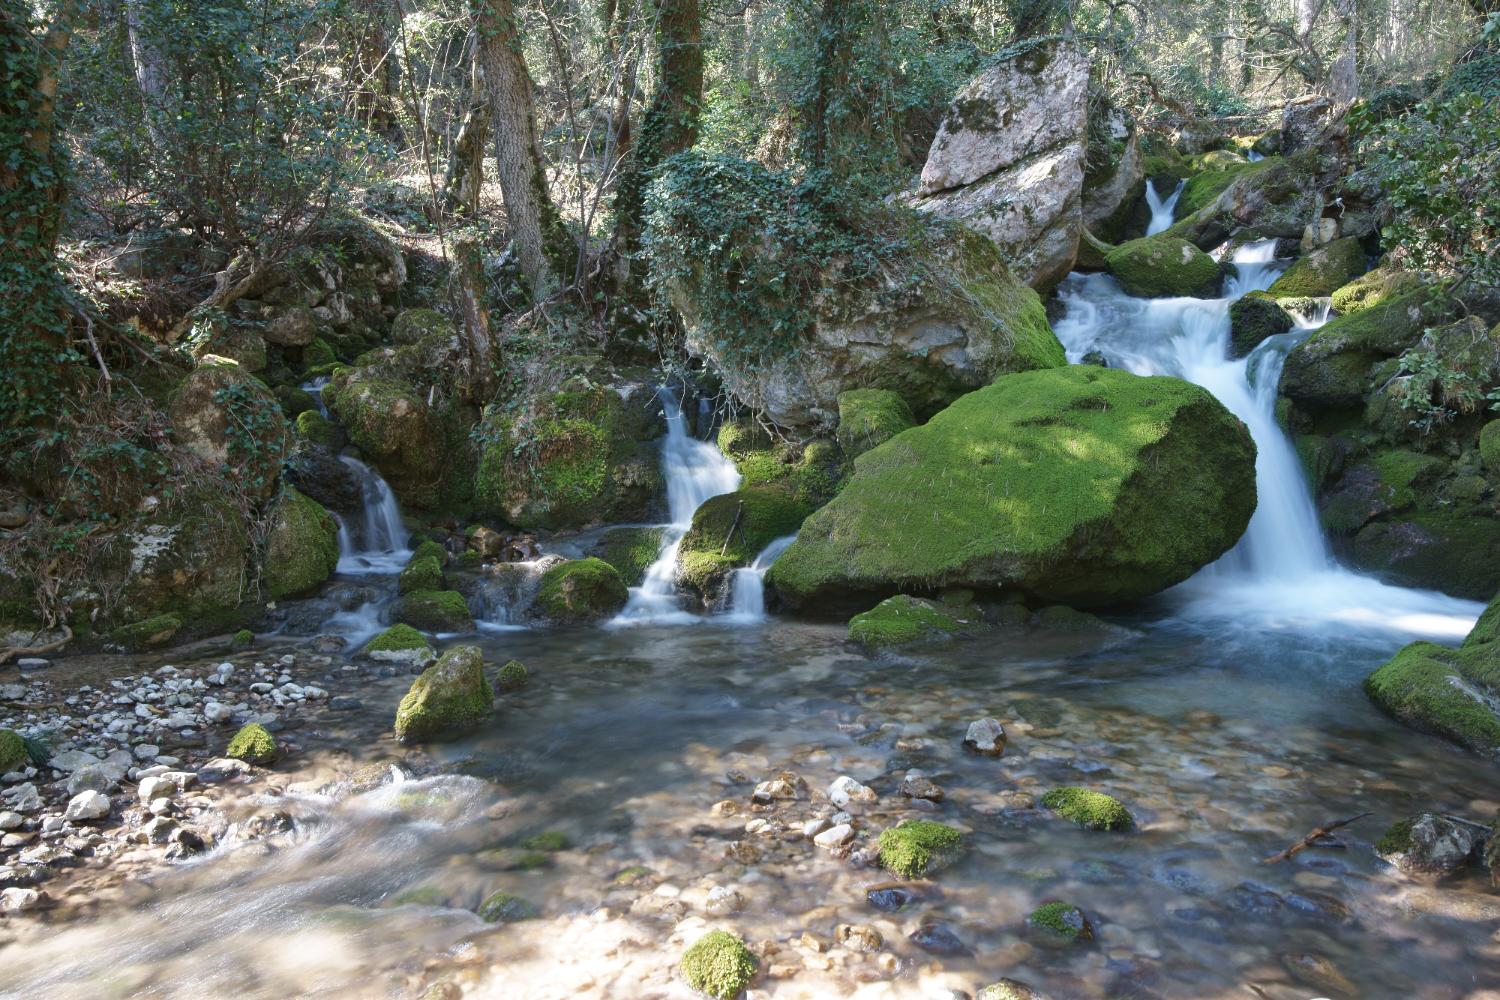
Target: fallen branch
[[46, 647], [1311, 839], [733, 527]]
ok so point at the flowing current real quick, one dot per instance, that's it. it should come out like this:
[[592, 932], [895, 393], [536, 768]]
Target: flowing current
[[1163, 210], [695, 471], [747, 594], [1281, 572]]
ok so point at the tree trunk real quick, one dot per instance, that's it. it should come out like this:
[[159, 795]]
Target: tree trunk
[[1307, 13], [149, 65], [1343, 75], [465, 175], [540, 240], [372, 67], [474, 315]]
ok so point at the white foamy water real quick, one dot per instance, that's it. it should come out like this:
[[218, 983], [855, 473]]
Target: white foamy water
[[1162, 209], [747, 593], [1281, 573], [375, 542]]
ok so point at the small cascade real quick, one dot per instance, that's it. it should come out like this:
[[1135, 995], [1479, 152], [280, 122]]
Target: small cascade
[[1281, 570], [1163, 211], [376, 541], [502, 599], [747, 587], [695, 471]]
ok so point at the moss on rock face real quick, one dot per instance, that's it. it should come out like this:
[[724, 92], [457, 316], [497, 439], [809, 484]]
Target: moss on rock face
[[512, 677], [1489, 446], [580, 459], [427, 548], [1079, 485], [313, 426], [718, 965], [12, 751], [1455, 550], [435, 611], [148, 634], [253, 745], [1374, 287], [631, 551], [1252, 319], [388, 419], [869, 417], [1089, 809], [449, 696], [225, 415], [919, 847], [729, 531], [413, 326], [400, 644], [811, 471], [901, 620], [1321, 272], [1063, 921], [1213, 178], [581, 590], [421, 573], [302, 548], [1162, 265], [507, 908]]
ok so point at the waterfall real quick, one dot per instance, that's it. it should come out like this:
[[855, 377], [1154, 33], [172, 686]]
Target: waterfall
[[747, 593], [376, 543], [1162, 212], [1281, 570], [695, 471]]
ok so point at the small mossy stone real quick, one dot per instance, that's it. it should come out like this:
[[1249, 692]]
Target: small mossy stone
[[581, 590], [147, 634], [507, 908], [901, 620], [870, 417], [253, 745], [313, 426], [1061, 921], [718, 965], [448, 697], [243, 639], [1489, 446], [631, 551], [1162, 265], [1252, 319], [1089, 809], [302, 549], [549, 841], [1322, 271], [421, 573], [435, 611], [12, 751], [919, 847], [398, 639], [427, 548], [1008, 989], [512, 677]]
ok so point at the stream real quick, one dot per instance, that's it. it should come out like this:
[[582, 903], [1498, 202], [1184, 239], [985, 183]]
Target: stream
[[1226, 714]]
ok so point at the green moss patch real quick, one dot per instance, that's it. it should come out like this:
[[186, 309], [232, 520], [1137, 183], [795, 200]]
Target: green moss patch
[[1063, 921], [718, 965], [397, 638], [919, 847], [1089, 809], [512, 677], [1321, 272], [810, 471], [730, 530], [901, 620], [1163, 265], [581, 590], [631, 551], [1374, 287], [315, 427], [435, 611], [449, 696], [1454, 693], [507, 908], [147, 634], [302, 549], [869, 417], [253, 745], [421, 573], [12, 751]]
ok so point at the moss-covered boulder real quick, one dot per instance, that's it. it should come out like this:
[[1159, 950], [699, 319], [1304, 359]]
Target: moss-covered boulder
[[1062, 923], [400, 644], [12, 751], [1163, 266], [810, 470], [631, 551], [1079, 485], [412, 326], [1217, 170], [507, 908], [1489, 447], [868, 417], [314, 427], [581, 456], [918, 848], [448, 697], [513, 676], [1322, 271], [228, 417], [149, 633], [302, 548], [1454, 693], [1455, 551], [1252, 319], [422, 572], [903, 620], [387, 416], [1089, 809], [1427, 844], [1374, 287], [718, 965], [435, 611], [224, 337], [253, 745], [580, 590], [729, 531]]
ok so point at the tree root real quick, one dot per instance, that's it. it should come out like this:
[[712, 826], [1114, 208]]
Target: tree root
[[46, 647]]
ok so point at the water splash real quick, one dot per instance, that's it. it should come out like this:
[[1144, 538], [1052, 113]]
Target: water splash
[[1163, 210], [747, 593], [695, 471]]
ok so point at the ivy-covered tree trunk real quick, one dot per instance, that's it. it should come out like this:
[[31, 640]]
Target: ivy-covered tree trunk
[[849, 127], [33, 307], [465, 176], [541, 241]]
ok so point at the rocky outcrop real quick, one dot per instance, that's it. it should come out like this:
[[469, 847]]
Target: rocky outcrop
[[1008, 160], [1114, 171], [1079, 485], [226, 416]]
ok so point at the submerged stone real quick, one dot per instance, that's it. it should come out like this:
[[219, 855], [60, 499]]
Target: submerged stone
[[506, 908], [938, 938], [1426, 844], [512, 677], [1008, 989], [1062, 922], [718, 965]]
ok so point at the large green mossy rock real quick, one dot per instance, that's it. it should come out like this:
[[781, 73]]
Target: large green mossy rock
[[870, 417], [903, 620], [1454, 693], [631, 551], [581, 590], [583, 457], [718, 965], [448, 697], [1322, 271], [1163, 266], [435, 611], [729, 531], [302, 548], [1252, 319], [1079, 485], [1455, 551], [810, 470], [1373, 287]]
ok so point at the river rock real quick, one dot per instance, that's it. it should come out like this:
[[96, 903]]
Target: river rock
[[938, 938], [88, 805], [845, 790], [94, 777], [1427, 844], [451, 695], [1159, 480], [71, 760], [1008, 159], [985, 736], [835, 837], [916, 785]]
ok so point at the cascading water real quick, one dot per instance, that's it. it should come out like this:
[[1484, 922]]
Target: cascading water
[[376, 543], [747, 587], [695, 471], [1281, 570], [1162, 210]]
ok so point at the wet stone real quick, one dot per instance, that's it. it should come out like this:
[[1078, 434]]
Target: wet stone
[[985, 737], [938, 938]]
